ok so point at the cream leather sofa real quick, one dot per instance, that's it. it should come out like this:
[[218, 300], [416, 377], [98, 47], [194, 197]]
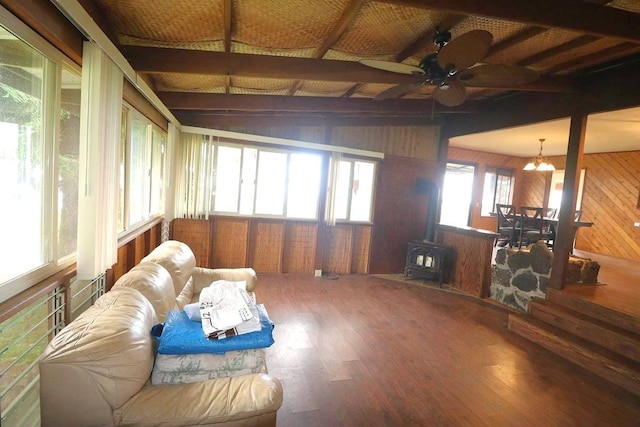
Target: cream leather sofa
[[96, 371]]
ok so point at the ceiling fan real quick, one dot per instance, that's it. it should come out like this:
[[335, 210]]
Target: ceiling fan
[[455, 65]]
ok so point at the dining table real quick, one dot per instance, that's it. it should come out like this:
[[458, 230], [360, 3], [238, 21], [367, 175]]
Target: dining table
[[553, 222]]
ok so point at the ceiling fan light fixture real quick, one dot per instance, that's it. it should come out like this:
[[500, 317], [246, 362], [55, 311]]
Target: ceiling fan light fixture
[[539, 163]]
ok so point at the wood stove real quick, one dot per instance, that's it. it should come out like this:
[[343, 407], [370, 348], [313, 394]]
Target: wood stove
[[428, 260]]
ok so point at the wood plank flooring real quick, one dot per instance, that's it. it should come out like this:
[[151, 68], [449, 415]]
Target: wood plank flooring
[[368, 351], [619, 284]]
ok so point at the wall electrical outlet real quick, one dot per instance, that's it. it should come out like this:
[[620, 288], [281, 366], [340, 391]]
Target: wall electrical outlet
[[318, 273], [636, 224]]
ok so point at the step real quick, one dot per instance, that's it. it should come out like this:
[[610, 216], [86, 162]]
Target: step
[[597, 360], [600, 312], [609, 336]]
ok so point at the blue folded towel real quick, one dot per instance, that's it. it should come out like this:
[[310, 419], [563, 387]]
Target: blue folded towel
[[183, 336]]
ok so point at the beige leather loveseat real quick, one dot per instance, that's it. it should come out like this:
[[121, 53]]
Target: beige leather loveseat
[[96, 371]]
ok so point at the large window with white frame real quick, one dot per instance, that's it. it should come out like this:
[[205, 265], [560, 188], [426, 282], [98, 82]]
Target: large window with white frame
[[39, 146], [142, 168], [232, 178], [353, 189], [265, 182]]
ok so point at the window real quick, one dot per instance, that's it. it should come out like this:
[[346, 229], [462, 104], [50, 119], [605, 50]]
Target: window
[[555, 189], [252, 181], [39, 139], [354, 190], [142, 164], [498, 184], [457, 191]]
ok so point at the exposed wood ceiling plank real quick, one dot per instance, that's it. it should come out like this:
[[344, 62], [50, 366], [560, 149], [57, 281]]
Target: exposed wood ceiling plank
[[227, 25], [161, 60], [336, 32], [340, 27], [353, 89], [571, 15], [600, 56], [564, 47], [305, 104], [516, 39]]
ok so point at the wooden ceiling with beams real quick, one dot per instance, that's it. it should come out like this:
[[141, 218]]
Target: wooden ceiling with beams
[[214, 59]]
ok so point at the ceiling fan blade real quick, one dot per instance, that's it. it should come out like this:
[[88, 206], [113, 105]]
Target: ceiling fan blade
[[497, 75], [397, 91], [452, 96], [465, 50], [394, 67]]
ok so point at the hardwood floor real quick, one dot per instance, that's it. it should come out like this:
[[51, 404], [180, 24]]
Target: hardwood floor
[[619, 284], [368, 351]]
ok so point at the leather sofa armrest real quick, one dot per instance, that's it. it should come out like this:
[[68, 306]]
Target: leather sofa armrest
[[203, 277], [224, 400]]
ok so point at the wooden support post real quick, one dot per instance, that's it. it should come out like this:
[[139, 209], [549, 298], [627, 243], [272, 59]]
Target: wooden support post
[[563, 243]]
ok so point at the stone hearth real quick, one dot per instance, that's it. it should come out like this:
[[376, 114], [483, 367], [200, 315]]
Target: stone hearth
[[519, 276]]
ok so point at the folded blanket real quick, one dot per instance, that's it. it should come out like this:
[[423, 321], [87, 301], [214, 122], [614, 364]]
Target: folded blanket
[[182, 336]]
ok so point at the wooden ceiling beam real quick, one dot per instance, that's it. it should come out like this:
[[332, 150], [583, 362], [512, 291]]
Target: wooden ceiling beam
[[571, 15], [163, 60], [226, 121], [613, 88], [303, 104], [557, 50]]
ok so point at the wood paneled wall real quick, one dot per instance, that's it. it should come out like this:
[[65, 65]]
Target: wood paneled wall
[[610, 200], [276, 246], [417, 142], [400, 211], [610, 197], [196, 234], [132, 250]]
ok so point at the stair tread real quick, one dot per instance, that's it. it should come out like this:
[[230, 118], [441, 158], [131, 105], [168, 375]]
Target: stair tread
[[548, 305], [594, 351], [623, 320]]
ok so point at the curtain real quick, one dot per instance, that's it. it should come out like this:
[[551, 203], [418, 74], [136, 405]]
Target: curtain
[[330, 214], [101, 113], [194, 176]]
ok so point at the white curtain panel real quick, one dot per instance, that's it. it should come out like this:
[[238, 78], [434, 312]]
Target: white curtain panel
[[330, 214], [170, 173], [194, 176], [101, 113]]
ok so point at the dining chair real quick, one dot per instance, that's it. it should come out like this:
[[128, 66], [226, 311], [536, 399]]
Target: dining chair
[[534, 227], [551, 213], [507, 229]]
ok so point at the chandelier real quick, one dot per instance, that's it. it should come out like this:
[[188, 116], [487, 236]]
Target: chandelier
[[539, 163]]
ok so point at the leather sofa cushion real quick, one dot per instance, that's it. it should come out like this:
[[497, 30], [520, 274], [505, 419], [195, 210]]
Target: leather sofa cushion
[[177, 258], [155, 283]]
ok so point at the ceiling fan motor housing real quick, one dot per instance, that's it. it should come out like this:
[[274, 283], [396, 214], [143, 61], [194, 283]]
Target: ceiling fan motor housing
[[433, 72]]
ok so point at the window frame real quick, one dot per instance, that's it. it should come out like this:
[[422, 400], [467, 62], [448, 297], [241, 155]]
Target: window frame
[[498, 172], [53, 66], [349, 201], [130, 113], [259, 149]]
